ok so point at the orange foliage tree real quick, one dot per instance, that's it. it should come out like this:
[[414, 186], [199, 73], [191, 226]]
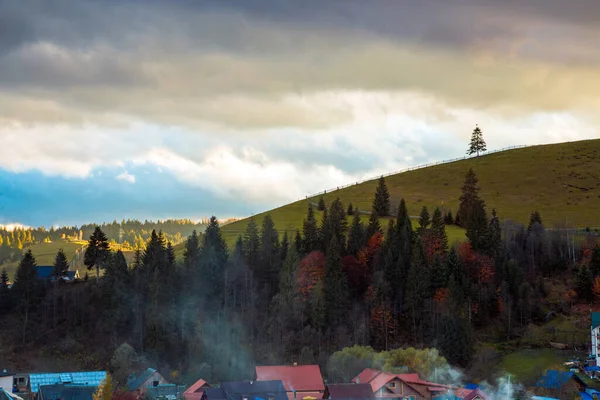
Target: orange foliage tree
[[382, 325], [596, 287], [432, 245], [310, 271]]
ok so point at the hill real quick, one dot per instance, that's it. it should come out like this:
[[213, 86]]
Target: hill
[[561, 181]]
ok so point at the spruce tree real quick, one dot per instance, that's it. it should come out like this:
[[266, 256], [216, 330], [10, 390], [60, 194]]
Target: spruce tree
[[438, 227], [534, 218], [321, 205], [310, 232], [269, 265], [252, 245], [373, 227], [455, 340], [338, 224], [191, 254], [584, 284], [495, 235], [97, 251], [469, 197], [404, 238], [595, 261], [285, 247], [448, 218], [472, 213], [381, 203], [477, 144], [61, 266], [5, 293], [298, 243], [213, 260], [335, 285], [325, 231], [350, 209], [26, 288], [417, 288], [356, 237], [424, 220]]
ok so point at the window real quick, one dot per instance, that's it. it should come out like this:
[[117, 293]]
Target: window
[[155, 383], [392, 385]]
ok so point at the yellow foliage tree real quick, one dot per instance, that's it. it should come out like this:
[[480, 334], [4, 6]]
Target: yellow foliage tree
[[105, 389]]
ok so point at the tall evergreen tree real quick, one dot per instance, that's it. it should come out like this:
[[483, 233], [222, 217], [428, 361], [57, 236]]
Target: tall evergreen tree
[[5, 294], [61, 266], [350, 209], [97, 251], [477, 144], [495, 235], [252, 245], [595, 261], [373, 227], [325, 231], [213, 262], [438, 227], [424, 220], [335, 285], [417, 289], [191, 254], [26, 288], [356, 237], [310, 232], [381, 203], [472, 213], [584, 283], [269, 256], [285, 247], [469, 197], [338, 224], [454, 340], [298, 243]]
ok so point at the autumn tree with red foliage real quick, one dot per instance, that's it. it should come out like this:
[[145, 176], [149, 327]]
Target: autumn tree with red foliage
[[382, 325], [433, 245], [310, 271]]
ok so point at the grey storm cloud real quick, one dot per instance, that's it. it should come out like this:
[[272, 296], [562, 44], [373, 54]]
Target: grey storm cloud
[[256, 64]]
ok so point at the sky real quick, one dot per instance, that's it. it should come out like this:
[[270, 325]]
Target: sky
[[184, 109]]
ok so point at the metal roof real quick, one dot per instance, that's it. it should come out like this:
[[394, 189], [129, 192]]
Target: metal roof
[[92, 378]]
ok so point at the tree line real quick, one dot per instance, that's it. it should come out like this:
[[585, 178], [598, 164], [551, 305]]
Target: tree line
[[343, 279]]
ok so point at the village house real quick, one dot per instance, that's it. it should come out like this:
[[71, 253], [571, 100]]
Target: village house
[[559, 384], [7, 395], [89, 379], [60, 391], [595, 336], [148, 378], [44, 273], [299, 381], [411, 387], [247, 390], [348, 391], [196, 391], [6, 380]]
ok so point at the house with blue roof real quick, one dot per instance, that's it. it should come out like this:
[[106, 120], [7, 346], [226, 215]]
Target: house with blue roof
[[559, 384], [92, 378], [44, 273], [61, 391]]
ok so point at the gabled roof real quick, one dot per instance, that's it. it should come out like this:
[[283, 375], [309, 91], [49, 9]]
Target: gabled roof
[[474, 395], [556, 379], [350, 391], [92, 378], [133, 383], [214, 394], [366, 375], [71, 392], [6, 373], [195, 391], [297, 378], [595, 319], [4, 395], [258, 390]]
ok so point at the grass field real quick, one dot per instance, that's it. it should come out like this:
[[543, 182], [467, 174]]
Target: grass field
[[527, 366], [46, 252], [559, 180]]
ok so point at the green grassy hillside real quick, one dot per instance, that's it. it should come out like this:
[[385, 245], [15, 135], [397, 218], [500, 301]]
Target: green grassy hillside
[[562, 181]]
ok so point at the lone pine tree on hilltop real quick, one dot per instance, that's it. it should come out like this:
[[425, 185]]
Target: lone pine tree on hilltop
[[477, 144]]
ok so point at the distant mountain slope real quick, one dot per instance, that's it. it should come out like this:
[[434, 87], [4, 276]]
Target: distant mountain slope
[[562, 181]]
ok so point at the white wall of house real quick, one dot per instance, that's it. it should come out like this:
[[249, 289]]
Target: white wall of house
[[6, 383], [156, 377], [595, 343]]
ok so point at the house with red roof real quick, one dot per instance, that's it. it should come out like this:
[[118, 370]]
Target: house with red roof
[[196, 391], [299, 381], [401, 386]]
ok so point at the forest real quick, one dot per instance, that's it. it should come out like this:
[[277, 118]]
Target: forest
[[336, 283]]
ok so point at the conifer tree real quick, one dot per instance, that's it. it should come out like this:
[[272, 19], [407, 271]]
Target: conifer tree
[[321, 204], [454, 340], [381, 202], [448, 218], [325, 231], [5, 294], [26, 287], [335, 285], [439, 274], [269, 255], [495, 235], [191, 254], [439, 228], [350, 209], [468, 198], [417, 288], [584, 283], [61, 266], [252, 245], [298, 243], [97, 251], [404, 238], [534, 218], [373, 227], [356, 237], [424, 220], [338, 224], [595, 261], [310, 232], [285, 247], [213, 262], [477, 144]]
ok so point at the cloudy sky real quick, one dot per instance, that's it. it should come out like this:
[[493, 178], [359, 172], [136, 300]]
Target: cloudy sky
[[155, 109]]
